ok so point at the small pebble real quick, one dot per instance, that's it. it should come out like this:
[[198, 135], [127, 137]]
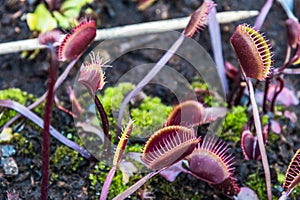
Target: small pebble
[[6, 135], [61, 184], [7, 150], [9, 167], [17, 30]]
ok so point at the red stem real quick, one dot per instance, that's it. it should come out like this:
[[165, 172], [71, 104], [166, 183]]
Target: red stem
[[235, 86], [105, 125], [265, 110], [281, 85], [47, 120]]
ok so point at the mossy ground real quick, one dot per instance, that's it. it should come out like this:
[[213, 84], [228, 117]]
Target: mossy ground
[[148, 116], [19, 96]]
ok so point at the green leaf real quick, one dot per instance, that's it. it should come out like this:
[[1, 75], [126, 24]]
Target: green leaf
[[72, 8], [41, 20], [72, 13], [74, 3], [62, 20]]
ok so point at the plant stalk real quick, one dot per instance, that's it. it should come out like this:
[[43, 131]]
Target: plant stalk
[[260, 138], [150, 75], [265, 110], [136, 186], [107, 183], [216, 43], [47, 121], [276, 93], [105, 125], [263, 14]]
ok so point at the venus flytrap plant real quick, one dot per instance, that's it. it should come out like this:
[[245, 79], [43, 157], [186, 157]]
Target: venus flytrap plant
[[76, 42], [178, 141], [169, 145], [188, 113], [164, 148], [197, 23], [117, 159], [255, 58], [48, 39], [92, 76], [249, 144], [292, 177], [81, 36], [210, 163]]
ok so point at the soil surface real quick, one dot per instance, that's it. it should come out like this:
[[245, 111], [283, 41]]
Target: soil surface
[[31, 76]]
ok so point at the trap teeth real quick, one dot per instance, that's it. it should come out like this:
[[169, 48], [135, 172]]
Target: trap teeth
[[253, 52]]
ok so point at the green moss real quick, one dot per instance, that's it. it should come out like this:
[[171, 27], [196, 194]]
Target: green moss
[[236, 119], [258, 184], [208, 100], [112, 99], [273, 137], [65, 159], [134, 148], [264, 120], [149, 116], [200, 85], [181, 188], [19, 96], [234, 122], [24, 145], [113, 96]]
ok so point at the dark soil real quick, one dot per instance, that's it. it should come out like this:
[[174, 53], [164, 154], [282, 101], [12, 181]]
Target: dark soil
[[31, 76]]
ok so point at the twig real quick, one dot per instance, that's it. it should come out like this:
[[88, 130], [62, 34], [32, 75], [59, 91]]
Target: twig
[[131, 30]]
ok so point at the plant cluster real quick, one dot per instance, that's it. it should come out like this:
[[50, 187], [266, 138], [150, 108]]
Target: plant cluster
[[176, 146]]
